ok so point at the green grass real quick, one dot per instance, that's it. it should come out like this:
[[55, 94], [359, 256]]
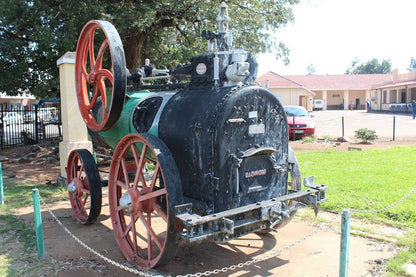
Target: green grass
[[309, 139], [366, 180], [395, 267], [20, 259], [369, 180]]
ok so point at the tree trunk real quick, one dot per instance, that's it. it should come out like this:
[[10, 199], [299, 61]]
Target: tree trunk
[[133, 49]]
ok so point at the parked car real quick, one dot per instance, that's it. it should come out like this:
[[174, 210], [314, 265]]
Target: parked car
[[12, 118], [318, 105], [299, 121]]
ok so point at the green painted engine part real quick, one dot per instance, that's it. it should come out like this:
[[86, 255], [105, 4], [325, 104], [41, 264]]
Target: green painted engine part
[[124, 125]]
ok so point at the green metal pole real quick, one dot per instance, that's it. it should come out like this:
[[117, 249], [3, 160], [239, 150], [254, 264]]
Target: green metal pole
[[345, 243], [1, 187], [38, 223]]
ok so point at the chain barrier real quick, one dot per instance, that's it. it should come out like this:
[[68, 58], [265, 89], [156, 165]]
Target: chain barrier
[[388, 207], [262, 258], [228, 268], [110, 261]]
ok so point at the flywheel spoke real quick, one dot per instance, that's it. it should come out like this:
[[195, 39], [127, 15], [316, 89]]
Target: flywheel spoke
[[91, 49], [94, 98], [99, 61]]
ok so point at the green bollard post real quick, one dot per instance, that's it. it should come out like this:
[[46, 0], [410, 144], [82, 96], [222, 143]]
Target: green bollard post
[[1, 187], [345, 243], [38, 223]]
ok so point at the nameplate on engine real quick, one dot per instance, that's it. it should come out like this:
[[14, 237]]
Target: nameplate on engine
[[256, 129]]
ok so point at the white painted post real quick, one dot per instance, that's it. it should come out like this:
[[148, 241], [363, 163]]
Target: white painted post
[[325, 99], [346, 100], [74, 130]]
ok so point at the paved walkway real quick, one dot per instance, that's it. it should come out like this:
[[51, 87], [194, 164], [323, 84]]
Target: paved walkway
[[330, 123]]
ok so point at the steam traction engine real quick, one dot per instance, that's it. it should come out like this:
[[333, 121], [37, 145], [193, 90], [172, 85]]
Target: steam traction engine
[[204, 159]]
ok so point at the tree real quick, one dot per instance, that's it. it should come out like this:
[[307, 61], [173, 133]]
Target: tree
[[311, 69], [371, 67], [35, 33], [412, 66]]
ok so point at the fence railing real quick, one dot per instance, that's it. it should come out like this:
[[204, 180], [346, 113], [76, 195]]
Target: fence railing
[[20, 127]]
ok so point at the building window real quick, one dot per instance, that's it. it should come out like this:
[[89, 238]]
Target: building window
[[384, 97]]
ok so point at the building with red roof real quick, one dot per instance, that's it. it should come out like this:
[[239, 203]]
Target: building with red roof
[[382, 91]]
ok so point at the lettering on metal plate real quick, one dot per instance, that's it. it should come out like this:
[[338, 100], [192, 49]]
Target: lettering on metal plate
[[255, 173], [256, 129]]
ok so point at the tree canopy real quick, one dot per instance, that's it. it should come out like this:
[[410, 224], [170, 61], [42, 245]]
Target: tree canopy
[[35, 33], [412, 66], [372, 66]]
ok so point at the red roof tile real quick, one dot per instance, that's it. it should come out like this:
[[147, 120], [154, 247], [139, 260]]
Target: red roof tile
[[326, 82]]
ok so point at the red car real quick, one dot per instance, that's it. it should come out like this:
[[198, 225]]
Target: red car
[[299, 121]]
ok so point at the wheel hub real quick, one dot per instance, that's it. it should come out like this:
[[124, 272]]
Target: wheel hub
[[75, 187], [129, 202], [91, 78]]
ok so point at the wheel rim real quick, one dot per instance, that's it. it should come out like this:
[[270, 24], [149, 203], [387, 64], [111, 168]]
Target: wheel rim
[[100, 76], [84, 186], [139, 201]]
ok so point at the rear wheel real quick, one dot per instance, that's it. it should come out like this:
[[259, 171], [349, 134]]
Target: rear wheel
[[84, 186]]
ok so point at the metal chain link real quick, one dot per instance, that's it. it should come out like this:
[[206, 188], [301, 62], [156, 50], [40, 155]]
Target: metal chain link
[[388, 207], [110, 261], [228, 268], [277, 252], [262, 258]]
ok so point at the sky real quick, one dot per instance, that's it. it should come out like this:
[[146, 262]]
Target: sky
[[330, 34]]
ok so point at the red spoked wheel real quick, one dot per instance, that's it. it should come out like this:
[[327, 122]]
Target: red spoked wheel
[[100, 73], [84, 186], [144, 187]]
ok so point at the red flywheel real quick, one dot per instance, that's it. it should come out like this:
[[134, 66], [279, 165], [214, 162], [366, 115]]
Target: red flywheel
[[100, 75]]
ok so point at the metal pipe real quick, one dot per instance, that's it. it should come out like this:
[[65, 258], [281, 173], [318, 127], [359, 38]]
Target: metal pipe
[[345, 243], [343, 127], [38, 223], [394, 128]]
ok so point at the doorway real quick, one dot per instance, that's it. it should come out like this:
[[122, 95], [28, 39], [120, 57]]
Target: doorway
[[403, 97], [357, 103]]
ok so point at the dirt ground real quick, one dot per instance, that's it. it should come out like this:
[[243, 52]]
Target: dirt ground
[[317, 255]]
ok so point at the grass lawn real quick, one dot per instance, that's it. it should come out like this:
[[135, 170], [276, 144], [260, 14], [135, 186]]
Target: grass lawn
[[20, 259], [369, 180], [366, 180]]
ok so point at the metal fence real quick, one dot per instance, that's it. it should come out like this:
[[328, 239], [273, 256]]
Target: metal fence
[[20, 127]]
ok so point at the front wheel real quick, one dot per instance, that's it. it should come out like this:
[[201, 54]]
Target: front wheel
[[144, 187]]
